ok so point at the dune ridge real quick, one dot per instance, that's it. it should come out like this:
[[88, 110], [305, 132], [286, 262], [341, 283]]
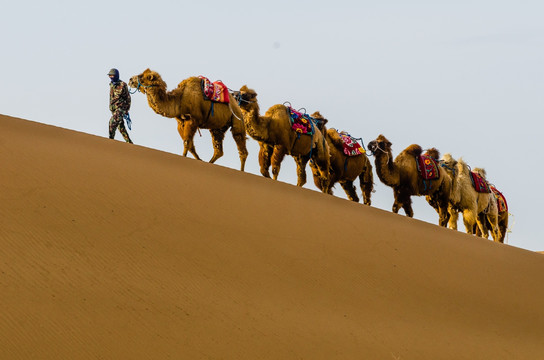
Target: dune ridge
[[116, 251]]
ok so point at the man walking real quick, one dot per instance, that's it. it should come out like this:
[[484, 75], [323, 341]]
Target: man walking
[[119, 105]]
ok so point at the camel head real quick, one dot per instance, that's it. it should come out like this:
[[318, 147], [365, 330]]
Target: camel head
[[147, 79], [449, 161], [245, 96], [381, 143], [320, 120]]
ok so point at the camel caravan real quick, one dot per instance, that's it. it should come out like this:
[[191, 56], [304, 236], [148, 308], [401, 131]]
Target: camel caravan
[[448, 185]]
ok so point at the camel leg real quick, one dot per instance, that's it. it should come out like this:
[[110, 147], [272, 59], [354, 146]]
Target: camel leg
[[181, 131], [443, 215], [366, 181], [187, 130], [397, 205], [325, 187], [408, 209], [454, 216], [350, 190], [265, 158], [440, 200], [323, 173], [315, 173], [503, 225], [301, 162], [217, 139], [483, 230], [469, 219], [322, 160], [333, 179], [404, 202], [495, 231], [277, 157], [477, 230], [239, 135]]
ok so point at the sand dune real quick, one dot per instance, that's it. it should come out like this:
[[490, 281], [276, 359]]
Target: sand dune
[[115, 251]]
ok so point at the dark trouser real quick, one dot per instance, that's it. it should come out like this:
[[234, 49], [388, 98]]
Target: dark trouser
[[117, 122]]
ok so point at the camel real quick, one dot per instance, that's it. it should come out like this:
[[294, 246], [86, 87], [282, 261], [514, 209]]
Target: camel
[[476, 207], [344, 169], [502, 223], [491, 219], [403, 176], [187, 105], [276, 139]]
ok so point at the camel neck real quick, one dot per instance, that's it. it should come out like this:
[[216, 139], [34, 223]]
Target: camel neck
[[385, 168], [163, 103], [254, 126]]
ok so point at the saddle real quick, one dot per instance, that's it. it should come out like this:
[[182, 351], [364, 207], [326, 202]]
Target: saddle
[[215, 91], [480, 185], [301, 123], [428, 167], [501, 200], [350, 145]]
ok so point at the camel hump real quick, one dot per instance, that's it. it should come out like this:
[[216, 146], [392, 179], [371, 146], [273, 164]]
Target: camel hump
[[320, 120], [481, 172], [414, 149], [335, 138], [433, 152], [462, 163]]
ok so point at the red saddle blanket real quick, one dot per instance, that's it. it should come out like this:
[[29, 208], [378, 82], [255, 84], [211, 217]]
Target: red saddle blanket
[[350, 144], [428, 167], [501, 200], [215, 91], [300, 122], [480, 185]]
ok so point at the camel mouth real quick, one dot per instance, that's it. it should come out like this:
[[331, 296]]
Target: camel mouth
[[239, 97], [243, 98], [373, 146], [135, 83], [132, 83]]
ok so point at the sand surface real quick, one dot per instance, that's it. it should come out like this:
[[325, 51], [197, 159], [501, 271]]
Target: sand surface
[[115, 251]]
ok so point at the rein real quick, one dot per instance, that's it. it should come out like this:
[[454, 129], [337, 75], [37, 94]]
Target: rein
[[385, 152], [444, 165], [140, 86], [238, 96]]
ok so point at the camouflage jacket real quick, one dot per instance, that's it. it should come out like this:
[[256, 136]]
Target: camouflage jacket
[[119, 96]]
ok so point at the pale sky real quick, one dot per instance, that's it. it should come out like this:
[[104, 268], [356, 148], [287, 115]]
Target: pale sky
[[465, 77]]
